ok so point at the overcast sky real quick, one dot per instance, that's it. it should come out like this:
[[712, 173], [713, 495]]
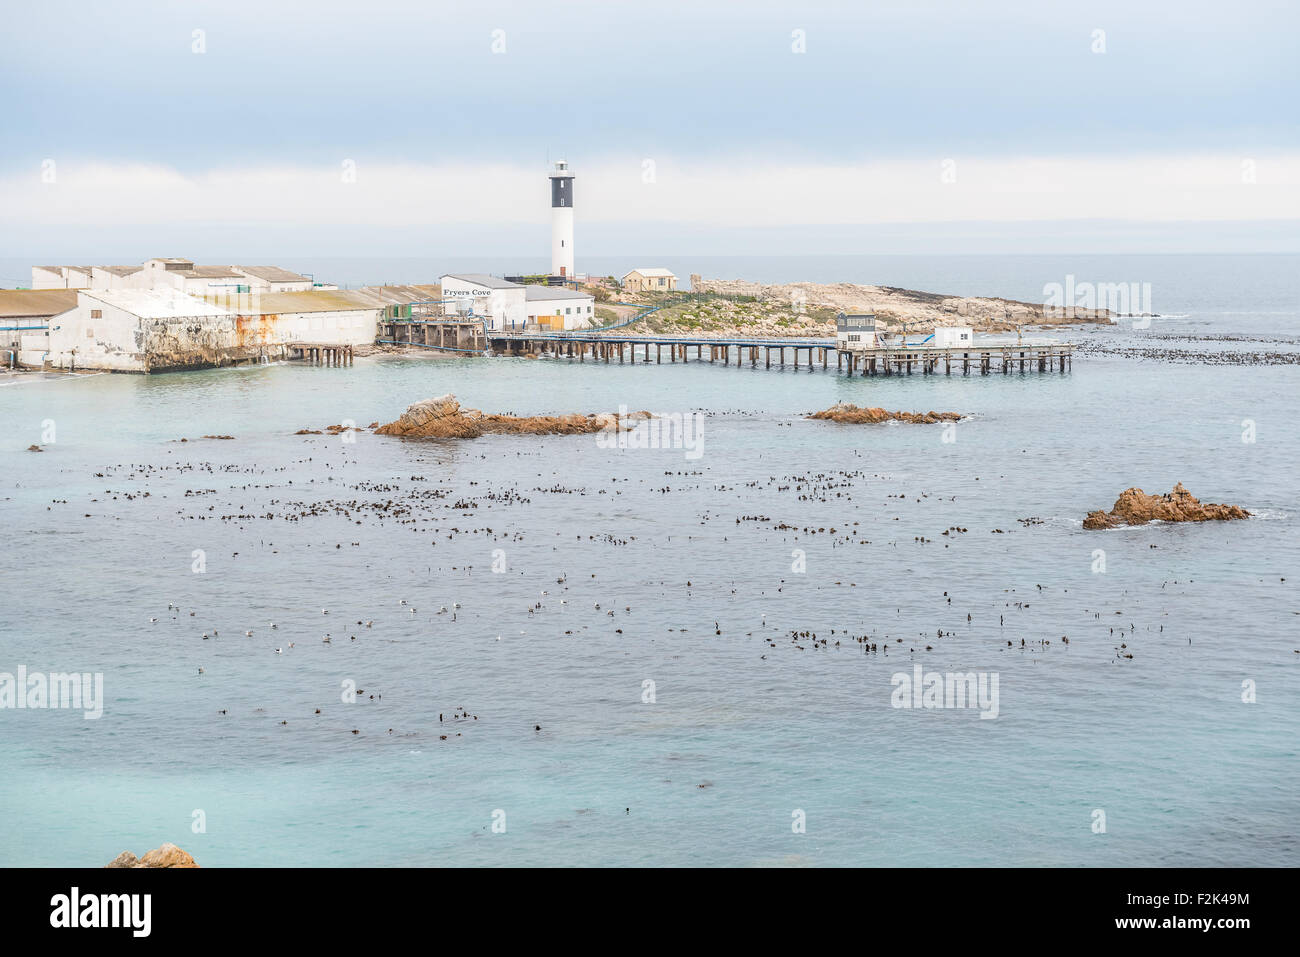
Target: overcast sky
[[427, 127]]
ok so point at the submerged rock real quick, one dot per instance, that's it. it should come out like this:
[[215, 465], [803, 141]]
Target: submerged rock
[[852, 414], [1136, 507], [169, 855], [442, 417]]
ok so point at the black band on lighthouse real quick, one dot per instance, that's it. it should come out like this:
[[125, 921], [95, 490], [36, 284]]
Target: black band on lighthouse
[[561, 191]]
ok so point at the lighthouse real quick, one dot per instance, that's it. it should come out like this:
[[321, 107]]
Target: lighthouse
[[562, 221]]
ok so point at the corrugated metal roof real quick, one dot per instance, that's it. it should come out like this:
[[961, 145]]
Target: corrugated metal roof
[[206, 272], [653, 273], [341, 300], [399, 295], [483, 279], [535, 293], [272, 273], [120, 270], [155, 303], [316, 300], [36, 303]]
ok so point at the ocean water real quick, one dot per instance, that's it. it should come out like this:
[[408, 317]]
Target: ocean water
[[753, 720]]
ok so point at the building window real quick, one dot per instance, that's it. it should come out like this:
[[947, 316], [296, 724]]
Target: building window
[[661, 281], [97, 314], [567, 310], [90, 333]]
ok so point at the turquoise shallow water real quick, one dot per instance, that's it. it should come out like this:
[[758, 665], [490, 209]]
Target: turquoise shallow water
[[735, 742]]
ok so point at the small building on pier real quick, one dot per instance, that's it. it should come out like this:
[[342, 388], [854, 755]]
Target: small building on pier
[[855, 331], [953, 337]]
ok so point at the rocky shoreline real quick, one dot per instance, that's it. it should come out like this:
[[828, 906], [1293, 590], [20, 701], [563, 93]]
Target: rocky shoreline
[[807, 308]]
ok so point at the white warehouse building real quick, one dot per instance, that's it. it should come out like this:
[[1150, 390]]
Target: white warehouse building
[[130, 330], [505, 306], [559, 307], [153, 330], [497, 301]]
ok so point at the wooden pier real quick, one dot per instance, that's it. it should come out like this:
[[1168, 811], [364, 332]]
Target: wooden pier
[[983, 358], [810, 354], [323, 353]]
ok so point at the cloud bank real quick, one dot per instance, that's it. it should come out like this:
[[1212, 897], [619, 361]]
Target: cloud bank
[[737, 193]]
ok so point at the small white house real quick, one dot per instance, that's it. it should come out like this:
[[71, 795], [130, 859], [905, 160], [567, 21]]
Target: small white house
[[953, 337], [856, 331], [650, 280]]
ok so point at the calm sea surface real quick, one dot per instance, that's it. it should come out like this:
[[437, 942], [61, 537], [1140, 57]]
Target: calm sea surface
[[694, 691]]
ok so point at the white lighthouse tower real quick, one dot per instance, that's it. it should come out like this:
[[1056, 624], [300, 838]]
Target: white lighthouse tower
[[562, 221]]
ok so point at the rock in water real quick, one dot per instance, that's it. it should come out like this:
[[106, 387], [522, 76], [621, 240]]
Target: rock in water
[[1136, 507], [853, 415], [437, 417], [169, 855], [443, 417]]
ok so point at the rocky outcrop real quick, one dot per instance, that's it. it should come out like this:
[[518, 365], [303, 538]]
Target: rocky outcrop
[[169, 855], [1136, 507], [904, 310], [854, 415], [442, 417]]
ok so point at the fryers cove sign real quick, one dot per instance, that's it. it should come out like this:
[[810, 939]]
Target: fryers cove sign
[[449, 290]]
